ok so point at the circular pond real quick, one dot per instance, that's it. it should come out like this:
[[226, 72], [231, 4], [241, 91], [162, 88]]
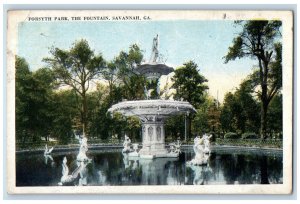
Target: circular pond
[[110, 167]]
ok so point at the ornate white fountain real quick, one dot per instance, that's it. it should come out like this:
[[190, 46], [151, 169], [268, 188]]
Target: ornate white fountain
[[153, 112]]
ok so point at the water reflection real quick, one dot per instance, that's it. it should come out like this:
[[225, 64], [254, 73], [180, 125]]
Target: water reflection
[[112, 168], [50, 158], [201, 174]]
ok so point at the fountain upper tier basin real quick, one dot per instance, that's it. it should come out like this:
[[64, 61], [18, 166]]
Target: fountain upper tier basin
[[154, 70], [160, 107]]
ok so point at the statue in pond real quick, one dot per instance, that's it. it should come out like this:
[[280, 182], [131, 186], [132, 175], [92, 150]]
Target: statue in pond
[[126, 161], [206, 139], [200, 157], [48, 151], [82, 149], [135, 152], [175, 147], [67, 178], [126, 145], [82, 173], [48, 157]]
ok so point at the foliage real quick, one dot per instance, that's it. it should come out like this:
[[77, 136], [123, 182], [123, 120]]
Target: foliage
[[76, 68], [240, 110], [66, 118], [34, 102], [175, 127], [189, 84], [207, 118], [259, 40], [274, 118], [23, 86], [123, 83], [131, 83]]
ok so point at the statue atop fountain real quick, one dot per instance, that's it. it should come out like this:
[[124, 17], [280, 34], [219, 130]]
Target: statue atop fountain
[[127, 145], [154, 54], [200, 157]]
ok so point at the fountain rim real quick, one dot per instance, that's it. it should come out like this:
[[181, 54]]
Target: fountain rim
[[138, 104]]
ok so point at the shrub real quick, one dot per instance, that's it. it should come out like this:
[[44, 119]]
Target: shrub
[[231, 135], [250, 135]]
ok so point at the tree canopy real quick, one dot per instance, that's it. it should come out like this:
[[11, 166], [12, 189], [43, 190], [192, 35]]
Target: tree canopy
[[189, 84], [260, 40], [76, 68], [34, 102]]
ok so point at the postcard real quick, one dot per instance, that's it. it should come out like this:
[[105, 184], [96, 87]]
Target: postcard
[[149, 102]]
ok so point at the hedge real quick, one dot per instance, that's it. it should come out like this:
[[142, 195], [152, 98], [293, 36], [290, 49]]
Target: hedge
[[231, 135], [250, 135]]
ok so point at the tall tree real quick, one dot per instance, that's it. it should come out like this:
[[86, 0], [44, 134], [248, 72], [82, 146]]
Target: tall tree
[[190, 86], [207, 118], [260, 40], [23, 86], [239, 111], [76, 68], [131, 82], [65, 115], [227, 117], [34, 102]]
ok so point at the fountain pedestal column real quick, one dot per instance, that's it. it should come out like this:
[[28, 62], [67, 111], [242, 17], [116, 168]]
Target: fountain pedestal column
[[153, 134]]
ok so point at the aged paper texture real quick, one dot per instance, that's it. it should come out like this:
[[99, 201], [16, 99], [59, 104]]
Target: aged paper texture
[[59, 29]]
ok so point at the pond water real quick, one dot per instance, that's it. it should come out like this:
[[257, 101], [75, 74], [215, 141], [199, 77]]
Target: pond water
[[110, 167]]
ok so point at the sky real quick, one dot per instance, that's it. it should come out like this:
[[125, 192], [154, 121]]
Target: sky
[[204, 42]]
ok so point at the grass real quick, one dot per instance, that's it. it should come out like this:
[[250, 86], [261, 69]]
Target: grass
[[271, 143]]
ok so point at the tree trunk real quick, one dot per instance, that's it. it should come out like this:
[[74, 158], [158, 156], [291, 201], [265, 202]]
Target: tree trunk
[[84, 114], [263, 120], [264, 98]]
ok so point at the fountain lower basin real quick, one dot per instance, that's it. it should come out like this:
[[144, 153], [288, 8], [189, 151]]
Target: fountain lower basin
[[152, 114]]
